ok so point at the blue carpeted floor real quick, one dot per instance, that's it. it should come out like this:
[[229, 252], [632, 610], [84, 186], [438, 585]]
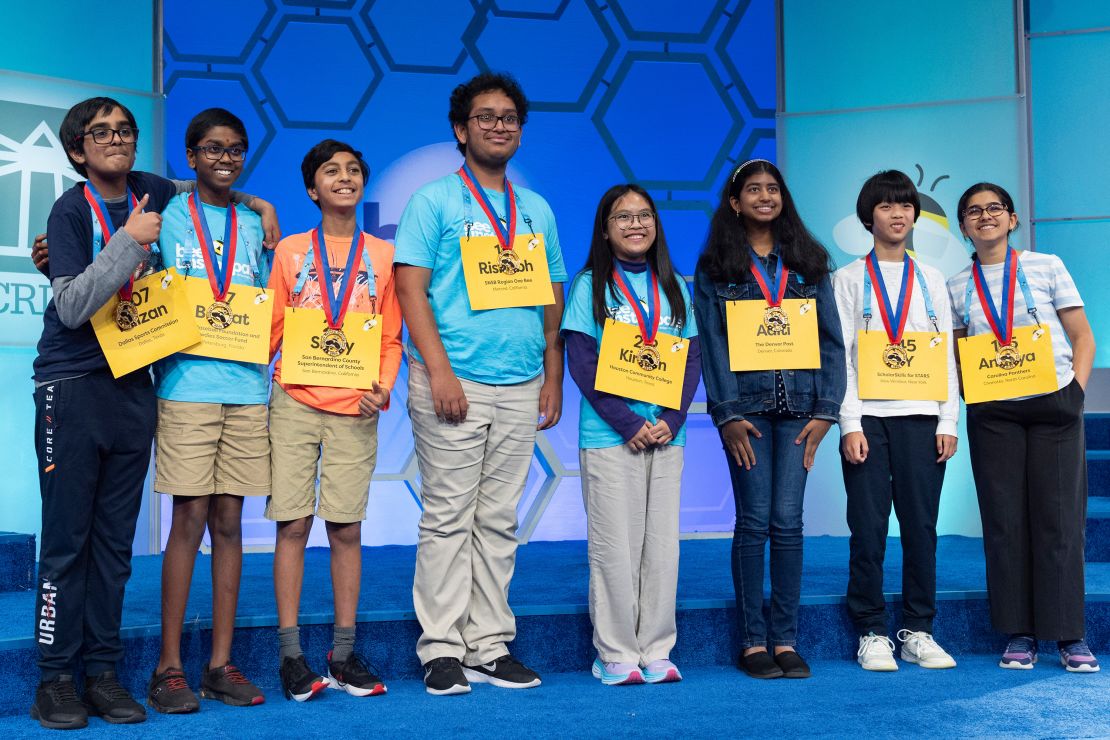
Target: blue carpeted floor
[[977, 699]]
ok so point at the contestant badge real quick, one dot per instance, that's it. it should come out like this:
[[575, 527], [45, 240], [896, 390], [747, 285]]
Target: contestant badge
[[509, 262], [1008, 356], [895, 356], [219, 315], [647, 357], [334, 342], [127, 315], [775, 321]]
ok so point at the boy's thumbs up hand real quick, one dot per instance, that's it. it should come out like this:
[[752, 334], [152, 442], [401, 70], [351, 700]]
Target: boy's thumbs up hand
[[143, 227]]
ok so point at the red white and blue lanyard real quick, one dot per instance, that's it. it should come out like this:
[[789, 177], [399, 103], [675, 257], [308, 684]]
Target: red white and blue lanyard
[[219, 275], [103, 231], [471, 190], [894, 321], [506, 235], [336, 304], [1001, 323], [649, 321], [772, 292]]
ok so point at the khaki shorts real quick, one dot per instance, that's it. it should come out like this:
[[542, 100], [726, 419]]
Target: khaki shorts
[[344, 447], [209, 448]]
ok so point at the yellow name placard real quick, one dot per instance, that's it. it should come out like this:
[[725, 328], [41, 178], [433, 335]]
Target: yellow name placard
[[157, 322], [916, 369], [762, 337], [314, 354], [496, 279], [994, 373], [626, 368], [237, 328]]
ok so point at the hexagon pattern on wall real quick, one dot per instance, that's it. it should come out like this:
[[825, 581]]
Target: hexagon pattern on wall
[[675, 98]]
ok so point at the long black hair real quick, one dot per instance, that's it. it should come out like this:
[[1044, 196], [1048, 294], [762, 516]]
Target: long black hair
[[600, 259], [726, 257]]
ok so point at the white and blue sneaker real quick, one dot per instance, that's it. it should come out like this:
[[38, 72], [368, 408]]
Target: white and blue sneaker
[[661, 671], [617, 674]]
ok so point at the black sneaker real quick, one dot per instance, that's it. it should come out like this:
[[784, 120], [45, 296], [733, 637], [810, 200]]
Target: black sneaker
[[298, 681], [506, 672], [169, 693], [107, 699], [228, 684], [57, 707], [443, 676], [354, 677]]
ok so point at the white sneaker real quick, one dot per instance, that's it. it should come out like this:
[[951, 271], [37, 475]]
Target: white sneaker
[[921, 648], [876, 653]]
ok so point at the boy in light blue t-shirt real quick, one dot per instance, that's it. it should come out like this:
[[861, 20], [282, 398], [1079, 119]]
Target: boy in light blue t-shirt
[[212, 442]]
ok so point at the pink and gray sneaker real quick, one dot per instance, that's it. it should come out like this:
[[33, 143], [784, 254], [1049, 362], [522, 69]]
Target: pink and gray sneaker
[[617, 674], [661, 671], [1021, 653], [1077, 657]]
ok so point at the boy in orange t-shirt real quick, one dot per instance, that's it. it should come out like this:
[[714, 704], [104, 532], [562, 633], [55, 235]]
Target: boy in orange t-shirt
[[336, 427]]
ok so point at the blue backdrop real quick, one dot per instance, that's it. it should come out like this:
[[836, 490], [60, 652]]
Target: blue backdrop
[[620, 91]]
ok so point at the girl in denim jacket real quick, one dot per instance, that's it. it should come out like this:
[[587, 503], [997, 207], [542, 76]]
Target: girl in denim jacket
[[771, 421]]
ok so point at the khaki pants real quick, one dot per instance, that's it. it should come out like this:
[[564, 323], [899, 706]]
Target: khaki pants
[[472, 476], [631, 501]]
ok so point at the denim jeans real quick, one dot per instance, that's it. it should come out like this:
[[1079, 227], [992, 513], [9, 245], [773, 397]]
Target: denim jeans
[[769, 503]]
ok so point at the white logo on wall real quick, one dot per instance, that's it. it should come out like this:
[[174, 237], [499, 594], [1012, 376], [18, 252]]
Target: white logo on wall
[[931, 240], [34, 172]]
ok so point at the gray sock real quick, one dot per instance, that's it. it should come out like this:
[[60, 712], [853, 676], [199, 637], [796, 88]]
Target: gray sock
[[344, 643], [289, 642]]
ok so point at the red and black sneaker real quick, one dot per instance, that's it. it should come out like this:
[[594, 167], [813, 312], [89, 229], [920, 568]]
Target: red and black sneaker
[[228, 684], [298, 681], [169, 693], [354, 676]]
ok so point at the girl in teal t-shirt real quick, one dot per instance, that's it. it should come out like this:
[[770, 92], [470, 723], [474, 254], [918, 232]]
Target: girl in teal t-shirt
[[631, 450]]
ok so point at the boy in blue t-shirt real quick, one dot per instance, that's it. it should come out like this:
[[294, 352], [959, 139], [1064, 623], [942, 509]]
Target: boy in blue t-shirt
[[478, 380], [212, 443]]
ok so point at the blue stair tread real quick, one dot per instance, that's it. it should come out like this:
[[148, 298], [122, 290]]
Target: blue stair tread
[[1098, 507]]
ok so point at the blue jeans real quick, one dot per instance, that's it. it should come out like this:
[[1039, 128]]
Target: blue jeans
[[769, 502]]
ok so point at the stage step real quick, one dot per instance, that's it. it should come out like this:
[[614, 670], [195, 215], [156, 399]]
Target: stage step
[[1098, 529], [1098, 431], [549, 598], [1098, 473], [17, 561]]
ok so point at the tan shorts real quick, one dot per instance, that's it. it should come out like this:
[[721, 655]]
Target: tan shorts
[[344, 447], [209, 448]]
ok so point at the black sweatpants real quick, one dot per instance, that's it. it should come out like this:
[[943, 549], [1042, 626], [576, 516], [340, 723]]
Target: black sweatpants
[[1031, 476], [901, 468], [93, 436]]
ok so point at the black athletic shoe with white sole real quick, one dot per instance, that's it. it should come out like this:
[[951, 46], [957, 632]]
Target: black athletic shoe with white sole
[[354, 676], [506, 672], [445, 676], [298, 681]]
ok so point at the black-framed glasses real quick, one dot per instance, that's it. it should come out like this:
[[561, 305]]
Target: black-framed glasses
[[488, 121], [215, 152], [127, 134], [624, 220], [991, 209]]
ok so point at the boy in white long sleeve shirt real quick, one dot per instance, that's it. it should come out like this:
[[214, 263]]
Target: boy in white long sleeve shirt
[[894, 448]]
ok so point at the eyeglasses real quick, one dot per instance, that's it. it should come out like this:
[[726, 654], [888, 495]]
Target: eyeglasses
[[127, 135], [488, 121], [624, 220], [976, 212], [216, 152]]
